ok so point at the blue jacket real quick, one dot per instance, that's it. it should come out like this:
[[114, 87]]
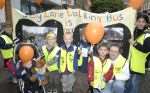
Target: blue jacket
[[83, 68]]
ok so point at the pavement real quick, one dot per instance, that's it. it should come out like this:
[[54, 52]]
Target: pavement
[[6, 86]]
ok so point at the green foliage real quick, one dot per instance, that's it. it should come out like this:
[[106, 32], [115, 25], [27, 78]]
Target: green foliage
[[100, 6]]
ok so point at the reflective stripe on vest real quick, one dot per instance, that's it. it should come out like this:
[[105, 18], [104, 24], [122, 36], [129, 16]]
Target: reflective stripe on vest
[[7, 53], [50, 58], [138, 58], [99, 71]]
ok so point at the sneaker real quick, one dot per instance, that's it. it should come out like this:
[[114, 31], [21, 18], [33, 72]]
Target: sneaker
[[49, 91], [55, 91]]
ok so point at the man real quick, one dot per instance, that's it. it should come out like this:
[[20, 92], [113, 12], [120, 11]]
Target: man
[[139, 51], [120, 71]]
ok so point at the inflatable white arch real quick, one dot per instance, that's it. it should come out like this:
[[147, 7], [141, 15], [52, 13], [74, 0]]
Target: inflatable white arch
[[71, 18]]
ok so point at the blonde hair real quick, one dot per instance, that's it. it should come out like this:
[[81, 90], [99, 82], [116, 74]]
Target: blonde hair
[[51, 35], [68, 33]]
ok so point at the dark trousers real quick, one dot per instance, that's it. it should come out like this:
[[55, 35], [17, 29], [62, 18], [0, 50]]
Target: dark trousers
[[81, 84], [31, 86], [54, 83]]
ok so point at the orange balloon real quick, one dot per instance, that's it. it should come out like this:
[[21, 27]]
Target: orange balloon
[[26, 53], [2, 3], [136, 4], [39, 2], [94, 32]]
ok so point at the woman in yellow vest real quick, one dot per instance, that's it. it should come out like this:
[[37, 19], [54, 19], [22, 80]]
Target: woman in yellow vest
[[101, 67], [120, 71], [51, 54], [138, 53]]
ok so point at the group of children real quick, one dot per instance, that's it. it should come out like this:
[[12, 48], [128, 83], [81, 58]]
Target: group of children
[[65, 69]]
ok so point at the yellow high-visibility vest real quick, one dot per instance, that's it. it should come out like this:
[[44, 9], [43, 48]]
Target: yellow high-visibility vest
[[50, 58], [138, 58], [118, 65], [67, 60], [7, 53], [99, 70]]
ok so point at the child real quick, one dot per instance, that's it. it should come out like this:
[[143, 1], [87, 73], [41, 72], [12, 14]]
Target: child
[[69, 61], [101, 67], [51, 55], [81, 84], [120, 71], [26, 72]]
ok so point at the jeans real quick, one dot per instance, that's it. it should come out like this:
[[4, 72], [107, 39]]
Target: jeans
[[117, 86], [133, 84]]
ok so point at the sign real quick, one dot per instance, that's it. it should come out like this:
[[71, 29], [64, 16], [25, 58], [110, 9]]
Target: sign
[[71, 18]]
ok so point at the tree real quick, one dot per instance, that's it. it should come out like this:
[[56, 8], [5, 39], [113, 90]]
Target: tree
[[100, 6]]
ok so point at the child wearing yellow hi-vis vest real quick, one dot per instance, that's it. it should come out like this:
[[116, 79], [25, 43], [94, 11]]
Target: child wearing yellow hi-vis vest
[[51, 54], [69, 62], [101, 68], [120, 71]]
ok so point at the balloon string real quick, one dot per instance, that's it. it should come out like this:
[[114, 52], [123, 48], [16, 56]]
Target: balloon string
[[91, 50]]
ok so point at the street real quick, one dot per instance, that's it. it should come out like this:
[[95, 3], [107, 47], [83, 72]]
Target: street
[[5, 85]]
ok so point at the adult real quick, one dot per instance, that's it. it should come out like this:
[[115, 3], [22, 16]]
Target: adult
[[139, 51]]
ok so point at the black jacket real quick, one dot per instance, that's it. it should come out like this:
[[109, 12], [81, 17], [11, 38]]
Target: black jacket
[[3, 44], [146, 45]]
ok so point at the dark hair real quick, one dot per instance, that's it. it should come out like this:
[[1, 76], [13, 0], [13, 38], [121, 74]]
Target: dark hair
[[115, 45], [102, 45], [144, 16]]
